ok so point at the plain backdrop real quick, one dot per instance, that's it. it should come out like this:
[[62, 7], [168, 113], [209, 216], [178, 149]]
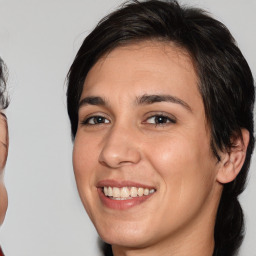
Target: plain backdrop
[[38, 41]]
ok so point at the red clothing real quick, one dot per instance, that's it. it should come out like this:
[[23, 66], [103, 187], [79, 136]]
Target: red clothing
[[1, 252]]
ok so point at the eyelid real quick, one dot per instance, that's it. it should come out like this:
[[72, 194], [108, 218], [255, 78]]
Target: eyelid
[[88, 120], [93, 115], [152, 114]]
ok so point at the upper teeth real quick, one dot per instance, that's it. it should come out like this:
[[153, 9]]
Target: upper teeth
[[126, 192]]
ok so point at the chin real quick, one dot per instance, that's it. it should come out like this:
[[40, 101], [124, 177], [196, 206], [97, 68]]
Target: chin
[[125, 241], [125, 237]]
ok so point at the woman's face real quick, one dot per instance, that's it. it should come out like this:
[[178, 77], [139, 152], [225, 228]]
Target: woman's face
[[142, 159], [3, 157]]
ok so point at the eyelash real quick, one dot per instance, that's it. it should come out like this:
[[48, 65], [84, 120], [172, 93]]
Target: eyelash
[[87, 120], [162, 120], [158, 120]]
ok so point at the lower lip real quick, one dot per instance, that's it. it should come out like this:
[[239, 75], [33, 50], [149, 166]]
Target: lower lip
[[121, 204]]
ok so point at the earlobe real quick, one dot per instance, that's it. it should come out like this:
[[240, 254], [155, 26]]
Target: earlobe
[[233, 159]]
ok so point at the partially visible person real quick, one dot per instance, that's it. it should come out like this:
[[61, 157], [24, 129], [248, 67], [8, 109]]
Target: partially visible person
[[3, 143]]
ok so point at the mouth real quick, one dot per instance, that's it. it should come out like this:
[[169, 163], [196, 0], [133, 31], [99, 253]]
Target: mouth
[[126, 193], [123, 195]]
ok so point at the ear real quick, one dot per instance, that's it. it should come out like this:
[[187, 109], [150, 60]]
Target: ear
[[233, 159]]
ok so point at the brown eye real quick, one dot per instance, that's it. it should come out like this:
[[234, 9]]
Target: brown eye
[[159, 120], [94, 120]]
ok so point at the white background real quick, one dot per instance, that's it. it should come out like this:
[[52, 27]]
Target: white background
[[38, 41]]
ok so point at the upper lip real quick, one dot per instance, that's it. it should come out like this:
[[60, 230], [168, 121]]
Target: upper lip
[[122, 183]]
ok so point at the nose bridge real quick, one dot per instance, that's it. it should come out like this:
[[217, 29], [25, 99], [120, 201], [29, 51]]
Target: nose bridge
[[120, 147]]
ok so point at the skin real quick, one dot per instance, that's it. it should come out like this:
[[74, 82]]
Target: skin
[[173, 157], [3, 157]]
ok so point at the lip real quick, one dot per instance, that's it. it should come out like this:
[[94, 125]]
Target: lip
[[121, 204], [123, 183]]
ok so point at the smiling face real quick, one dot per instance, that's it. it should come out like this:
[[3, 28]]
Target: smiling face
[[142, 159]]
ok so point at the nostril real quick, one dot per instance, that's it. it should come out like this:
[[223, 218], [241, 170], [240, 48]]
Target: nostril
[[115, 157], [103, 163]]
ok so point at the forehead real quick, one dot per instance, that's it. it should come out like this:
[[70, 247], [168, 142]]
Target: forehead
[[148, 67]]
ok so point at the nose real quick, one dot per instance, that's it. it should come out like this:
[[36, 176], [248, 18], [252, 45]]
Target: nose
[[120, 147]]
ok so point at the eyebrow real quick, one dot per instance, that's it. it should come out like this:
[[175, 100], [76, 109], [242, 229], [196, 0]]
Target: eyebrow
[[151, 99], [143, 100], [98, 101]]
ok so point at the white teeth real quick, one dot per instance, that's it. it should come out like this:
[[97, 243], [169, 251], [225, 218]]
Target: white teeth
[[140, 191], [151, 191], [110, 192], [106, 191], [134, 192], [116, 192], [146, 191], [125, 193]]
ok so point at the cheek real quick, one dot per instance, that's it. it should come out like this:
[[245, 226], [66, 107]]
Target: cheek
[[85, 156], [84, 161], [185, 165], [187, 172]]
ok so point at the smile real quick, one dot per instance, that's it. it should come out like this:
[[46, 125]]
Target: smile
[[123, 195], [126, 193]]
